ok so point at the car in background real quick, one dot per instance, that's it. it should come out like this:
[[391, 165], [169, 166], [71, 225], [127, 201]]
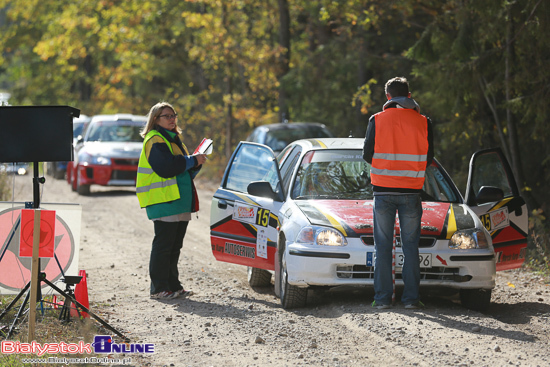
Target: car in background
[[278, 136], [108, 152], [59, 169], [18, 168], [307, 217]]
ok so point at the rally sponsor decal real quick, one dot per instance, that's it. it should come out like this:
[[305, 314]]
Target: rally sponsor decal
[[244, 213], [240, 250]]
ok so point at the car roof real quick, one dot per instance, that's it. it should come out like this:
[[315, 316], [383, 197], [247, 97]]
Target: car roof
[[331, 143], [290, 125], [82, 118], [118, 116]]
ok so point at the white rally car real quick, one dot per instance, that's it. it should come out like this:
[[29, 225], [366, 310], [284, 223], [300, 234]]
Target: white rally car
[[306, 216]]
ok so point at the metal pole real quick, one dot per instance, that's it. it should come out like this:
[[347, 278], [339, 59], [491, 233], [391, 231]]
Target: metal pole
[[393, 260]]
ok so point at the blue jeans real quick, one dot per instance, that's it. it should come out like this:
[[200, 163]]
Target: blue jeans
[[165, 253], [409, 209]]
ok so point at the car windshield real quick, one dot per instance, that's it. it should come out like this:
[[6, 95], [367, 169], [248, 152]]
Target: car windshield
[[78, 127], [343, 174], [115, 131], [278, 139]]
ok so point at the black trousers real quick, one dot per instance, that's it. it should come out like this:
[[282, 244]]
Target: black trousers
[[165, 253]]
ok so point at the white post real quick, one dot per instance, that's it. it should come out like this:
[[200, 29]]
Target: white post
[[35, 283]]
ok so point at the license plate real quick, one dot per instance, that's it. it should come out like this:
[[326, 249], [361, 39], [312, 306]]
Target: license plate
[[425, 259]]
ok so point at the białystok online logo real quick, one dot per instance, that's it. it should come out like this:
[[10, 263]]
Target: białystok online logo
[[103, 344]]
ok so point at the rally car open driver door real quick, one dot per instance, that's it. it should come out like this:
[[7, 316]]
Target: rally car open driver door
[[493, 195], [243, 227]]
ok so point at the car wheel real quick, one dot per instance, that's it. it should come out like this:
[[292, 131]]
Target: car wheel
[[82, 189], [69, 172], [291, 296], [50, 169], [72, 180], [59, 174], [476, 299], [258, 277]]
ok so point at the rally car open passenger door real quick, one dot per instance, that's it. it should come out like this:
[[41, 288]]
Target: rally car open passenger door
[[493, 195], [243, 226]]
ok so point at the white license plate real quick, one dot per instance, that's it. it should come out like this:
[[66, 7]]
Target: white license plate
[[425, 259]]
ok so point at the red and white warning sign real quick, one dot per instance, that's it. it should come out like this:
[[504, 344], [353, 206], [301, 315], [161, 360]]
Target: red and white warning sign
[[15, 270], [47, 233]]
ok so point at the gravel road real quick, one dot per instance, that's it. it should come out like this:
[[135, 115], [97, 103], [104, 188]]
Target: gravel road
[[226, 323]]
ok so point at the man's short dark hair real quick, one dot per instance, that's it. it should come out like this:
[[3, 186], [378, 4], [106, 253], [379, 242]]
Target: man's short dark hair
[[397, 87]]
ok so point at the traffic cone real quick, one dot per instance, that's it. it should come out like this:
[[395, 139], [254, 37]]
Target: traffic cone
[[81, 294]]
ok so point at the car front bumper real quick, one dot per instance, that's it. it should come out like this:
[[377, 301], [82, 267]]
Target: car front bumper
[[347, 265], [108, 175]]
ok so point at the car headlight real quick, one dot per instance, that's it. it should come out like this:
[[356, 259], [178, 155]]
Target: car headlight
[[321, 236], [468, 239], [91, 159]]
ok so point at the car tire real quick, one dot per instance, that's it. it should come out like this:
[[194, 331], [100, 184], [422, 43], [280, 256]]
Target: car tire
[[59, 174], [73, 184], [291, 296], [50, 169], [258, 277], [82, 189], [476, 299]]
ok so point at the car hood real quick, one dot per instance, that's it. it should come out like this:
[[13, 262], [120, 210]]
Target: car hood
[[114, 149], [354, 217]]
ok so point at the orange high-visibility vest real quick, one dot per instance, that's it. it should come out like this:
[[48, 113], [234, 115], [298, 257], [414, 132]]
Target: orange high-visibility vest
[[400, 149]]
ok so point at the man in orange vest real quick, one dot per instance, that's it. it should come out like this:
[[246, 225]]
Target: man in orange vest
[[399, 147]]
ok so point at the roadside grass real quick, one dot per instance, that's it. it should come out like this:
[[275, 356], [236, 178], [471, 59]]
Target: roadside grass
[[538, 249], [5, 189], [48, 329]]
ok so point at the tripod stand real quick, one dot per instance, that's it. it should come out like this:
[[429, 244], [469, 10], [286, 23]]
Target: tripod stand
[[65, 313], [40, 278]]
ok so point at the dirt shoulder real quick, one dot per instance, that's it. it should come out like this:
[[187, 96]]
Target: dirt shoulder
[[226, 323]]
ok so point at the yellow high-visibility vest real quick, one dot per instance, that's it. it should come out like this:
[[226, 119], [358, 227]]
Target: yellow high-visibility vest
[[150, 187]]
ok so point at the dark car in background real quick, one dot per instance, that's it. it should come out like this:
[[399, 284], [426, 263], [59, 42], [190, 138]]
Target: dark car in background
[[278, 136], [19, 168], [58, 169], [108, 152]]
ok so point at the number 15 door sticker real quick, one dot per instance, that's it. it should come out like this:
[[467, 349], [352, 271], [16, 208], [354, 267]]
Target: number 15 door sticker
[[251, 214], [496, 219]]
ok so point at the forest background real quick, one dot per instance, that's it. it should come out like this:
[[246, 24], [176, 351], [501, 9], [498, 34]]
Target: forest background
[[479, 69]]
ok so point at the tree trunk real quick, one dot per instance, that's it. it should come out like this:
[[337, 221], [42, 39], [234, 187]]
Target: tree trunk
[[229, 120], [493, 107], [284, 60], [362, 119], [512, 132]]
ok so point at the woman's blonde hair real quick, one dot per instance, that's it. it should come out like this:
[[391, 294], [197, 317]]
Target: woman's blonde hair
[[153, 116]]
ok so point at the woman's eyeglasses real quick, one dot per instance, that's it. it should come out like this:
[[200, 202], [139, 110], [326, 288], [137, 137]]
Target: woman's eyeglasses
[[170, 117]]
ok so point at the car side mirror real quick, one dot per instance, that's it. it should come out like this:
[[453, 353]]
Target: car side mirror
[[488, 194], [79, 139], [262, 189]]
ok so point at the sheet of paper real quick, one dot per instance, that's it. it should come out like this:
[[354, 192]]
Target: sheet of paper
[[205, 147]]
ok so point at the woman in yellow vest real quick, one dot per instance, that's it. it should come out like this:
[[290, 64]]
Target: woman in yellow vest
[[165, 189]]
